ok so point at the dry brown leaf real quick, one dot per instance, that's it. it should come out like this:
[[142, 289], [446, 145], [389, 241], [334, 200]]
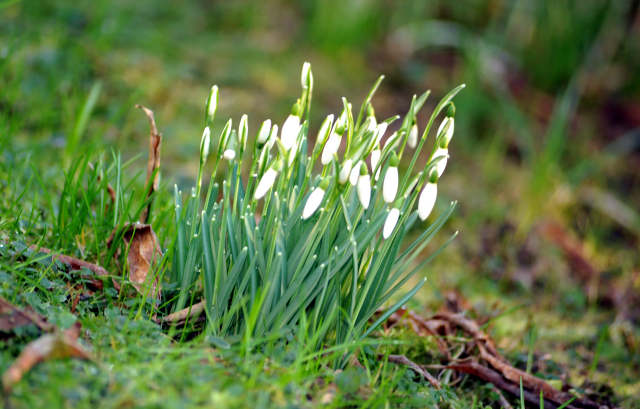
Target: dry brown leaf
[[155, 143], [144, 252], [12, 317], [60, 344]]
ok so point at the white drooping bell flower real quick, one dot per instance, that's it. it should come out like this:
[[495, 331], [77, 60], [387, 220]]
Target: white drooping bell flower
[[315, 199], [204, 144], [273, 136], [390, 223], [263, 132], [412, 141], [364, 186], [428, 196], [355, 174], [325, 128], [291, 128], [390, 184], [449, 133], [229, 154], [375, 159], [267, 180], [332, 145], [442, 163], [212, 104], [345, 172], [380, 130]]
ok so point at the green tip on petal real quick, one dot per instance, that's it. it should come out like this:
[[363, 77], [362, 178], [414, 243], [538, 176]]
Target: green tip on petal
[[324, 184], [393, 161], [451, 112]]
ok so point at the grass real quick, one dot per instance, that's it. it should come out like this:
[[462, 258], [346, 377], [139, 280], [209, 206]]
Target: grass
[[62, 96]]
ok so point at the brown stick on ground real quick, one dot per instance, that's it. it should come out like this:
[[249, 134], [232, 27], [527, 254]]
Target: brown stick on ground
[[403, 360], [155, 142], [192, 311], [77, 264]]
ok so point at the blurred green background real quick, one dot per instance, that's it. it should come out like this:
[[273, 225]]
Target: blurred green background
[[545, 161]]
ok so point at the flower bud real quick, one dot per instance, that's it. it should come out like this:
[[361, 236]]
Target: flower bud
[[427, 200], [331, 148], [390, 223], [243, 131], [442, 163], [364, 186], [315, 199], [212, 105], [204, 144], [263, 132], [449, 133], [390, 184], [306, 78], [345, 172], [413, 135], [229, 154], [355, 174], [290, 129], [267, 180]]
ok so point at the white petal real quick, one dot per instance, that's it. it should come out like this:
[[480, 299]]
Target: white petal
[[263, 134], [345, 172], [372, 124], [390, 223], [229, 154], [382, 128], [330, 148], [375, 158], [292, 153], [355, 174], [204, 144], [314, 201], [364, 190], [413, 136], [265, 183], [290, 131], [442, 163], [427, 200], [273, 136], [324, 130], [306, 67], [449, 134], [390, 184]]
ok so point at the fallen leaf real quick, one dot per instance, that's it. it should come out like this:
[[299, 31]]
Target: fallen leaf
[[144, 252], [60, 344], [12, 317]]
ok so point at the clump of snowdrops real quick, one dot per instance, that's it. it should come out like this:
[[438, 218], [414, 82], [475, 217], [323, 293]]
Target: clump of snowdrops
[[292, 248]]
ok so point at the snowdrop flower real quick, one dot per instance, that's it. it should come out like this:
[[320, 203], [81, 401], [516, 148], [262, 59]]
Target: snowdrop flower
[[263, 132], [229, 154], [372, 124], [355, 174], [380, 130], [390, 184], [204, 144], [291, 128], [427, 198], [315, 199], [390, 223], [332, 146], [345, 172], [442, 163], [413, 135], [306, 78], [448, 120], [364, 186], [375, 159], [243, 131], [267, 180], [273, 136], [325, 128], [212, 104]]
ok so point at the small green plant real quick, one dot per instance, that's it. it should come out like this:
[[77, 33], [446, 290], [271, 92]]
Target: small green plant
[[288, 247]]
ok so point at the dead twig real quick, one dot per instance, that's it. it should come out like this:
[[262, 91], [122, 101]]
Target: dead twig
[[153, 164], [403, 360], [192, 311]]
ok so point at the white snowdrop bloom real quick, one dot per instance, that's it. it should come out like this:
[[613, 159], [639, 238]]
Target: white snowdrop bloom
[[290, 131], [265, 183], [345, 171], [364, 187], [375, 159], [263, 133], [412, 141], [372, 124], [442, 163], [315, 199], [390, 184], [449, 134], [355, 174], [204, 144], [390, 223], [427, 200], [229, 154], [212, 104], [325, 128], [330, 148], [380, 130], [273, 136]]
